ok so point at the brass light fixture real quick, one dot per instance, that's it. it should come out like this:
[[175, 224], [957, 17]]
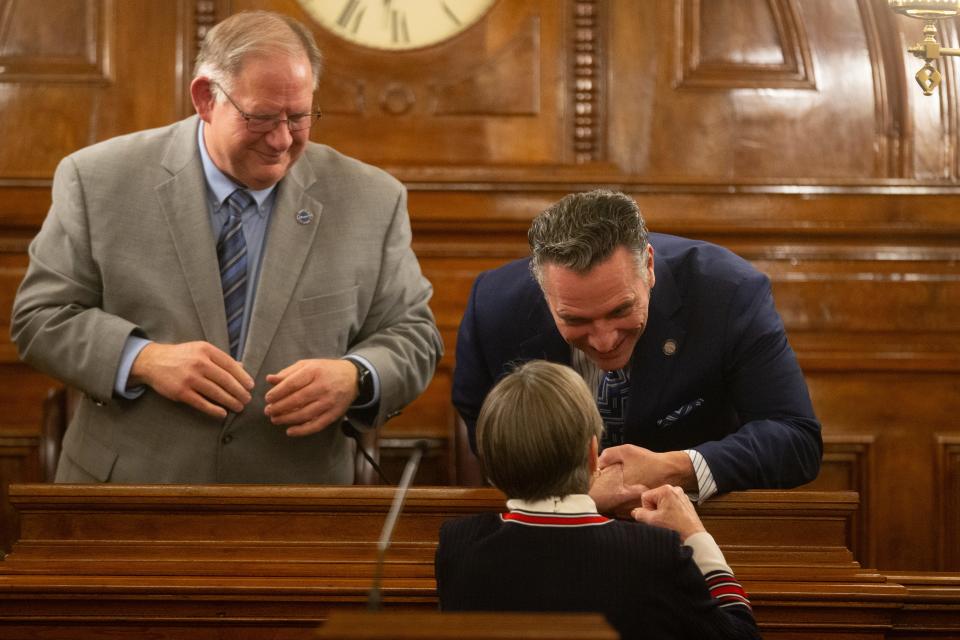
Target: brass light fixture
[[928, 49]]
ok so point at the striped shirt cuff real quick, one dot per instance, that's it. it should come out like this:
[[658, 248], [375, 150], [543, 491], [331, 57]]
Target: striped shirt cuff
[[705, 483], [718, 574], [725, 588]]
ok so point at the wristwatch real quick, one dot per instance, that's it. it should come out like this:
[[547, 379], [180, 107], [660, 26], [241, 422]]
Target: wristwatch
[[364, 383]]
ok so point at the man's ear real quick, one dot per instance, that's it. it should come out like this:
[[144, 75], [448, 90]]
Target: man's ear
[[201, 93], [650, 270]]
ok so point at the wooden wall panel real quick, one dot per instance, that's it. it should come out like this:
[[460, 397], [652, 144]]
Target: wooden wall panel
[[769, 48], [790, 131], [900, 412], [948, 499], [78, 71], [848, 466], [720, 110], [494, 95], [19, 462], [72, 72], [55, 41]]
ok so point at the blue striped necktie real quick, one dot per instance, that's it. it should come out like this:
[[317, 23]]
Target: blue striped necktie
[[612, 395], [232, 255]]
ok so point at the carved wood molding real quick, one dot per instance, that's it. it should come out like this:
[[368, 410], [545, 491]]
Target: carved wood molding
[[950, 102], [692, 70], [500, 82], [81, 53], [588, 78], [197, 18], [206, 14], [888, 89]]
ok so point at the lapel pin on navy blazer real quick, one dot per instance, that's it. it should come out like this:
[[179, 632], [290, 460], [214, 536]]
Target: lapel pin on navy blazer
[[669, 347]]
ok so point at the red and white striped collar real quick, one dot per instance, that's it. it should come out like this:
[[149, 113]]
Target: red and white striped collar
[[575, 510]]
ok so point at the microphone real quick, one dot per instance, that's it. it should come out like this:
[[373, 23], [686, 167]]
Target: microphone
[[351, 432], [406, 480]]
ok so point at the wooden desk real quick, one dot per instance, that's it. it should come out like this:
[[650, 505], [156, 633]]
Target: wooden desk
[[190, 561], [432, 625]]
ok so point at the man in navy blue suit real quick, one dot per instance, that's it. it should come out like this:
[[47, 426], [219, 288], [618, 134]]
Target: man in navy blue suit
[[695, 378]]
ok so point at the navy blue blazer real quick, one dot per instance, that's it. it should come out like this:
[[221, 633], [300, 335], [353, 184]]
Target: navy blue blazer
[[639, 576], [731, 388]]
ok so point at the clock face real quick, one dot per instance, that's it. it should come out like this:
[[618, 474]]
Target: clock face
[[396, 24]]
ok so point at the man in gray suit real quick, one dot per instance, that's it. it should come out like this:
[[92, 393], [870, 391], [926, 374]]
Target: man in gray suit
[[223, 290]]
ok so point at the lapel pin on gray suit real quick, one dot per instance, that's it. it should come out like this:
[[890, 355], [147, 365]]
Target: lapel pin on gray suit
[[304, 216]]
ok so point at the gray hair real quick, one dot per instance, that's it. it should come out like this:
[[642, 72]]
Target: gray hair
[[227, 45], [584, 229], [534, 431]]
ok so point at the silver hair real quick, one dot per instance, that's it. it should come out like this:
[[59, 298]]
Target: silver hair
[[584, 229], [227, 45]]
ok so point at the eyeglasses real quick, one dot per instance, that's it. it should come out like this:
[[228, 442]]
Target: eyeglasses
[[266, 124]]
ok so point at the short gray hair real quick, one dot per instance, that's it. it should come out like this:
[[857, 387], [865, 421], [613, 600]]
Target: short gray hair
[[534, 431], [584, 229], [227, 45]]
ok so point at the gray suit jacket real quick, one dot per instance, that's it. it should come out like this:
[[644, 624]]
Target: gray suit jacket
[[127, 248]]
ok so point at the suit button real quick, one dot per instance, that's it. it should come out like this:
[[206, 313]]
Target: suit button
[[227, 439]]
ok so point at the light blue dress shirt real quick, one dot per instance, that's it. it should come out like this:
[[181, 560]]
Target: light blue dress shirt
[[255, 218]]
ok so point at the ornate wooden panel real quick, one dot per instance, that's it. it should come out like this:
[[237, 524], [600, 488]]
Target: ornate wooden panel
[[770, 47], [498, 93], [55, 41]]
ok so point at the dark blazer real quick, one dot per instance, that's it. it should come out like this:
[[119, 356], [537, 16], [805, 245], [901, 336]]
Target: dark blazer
[[713, 370], [640, 577]]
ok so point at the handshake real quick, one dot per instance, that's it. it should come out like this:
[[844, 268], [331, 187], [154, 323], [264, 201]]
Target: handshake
[[618, 490]]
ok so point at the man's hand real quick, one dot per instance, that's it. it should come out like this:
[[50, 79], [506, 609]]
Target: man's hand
[[668, 506], [642, 466], [611, 495], [195, 373], [311, 395]]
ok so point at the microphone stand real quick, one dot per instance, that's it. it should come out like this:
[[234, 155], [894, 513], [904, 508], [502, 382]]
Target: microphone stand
[[405, 481], [351, 432]]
